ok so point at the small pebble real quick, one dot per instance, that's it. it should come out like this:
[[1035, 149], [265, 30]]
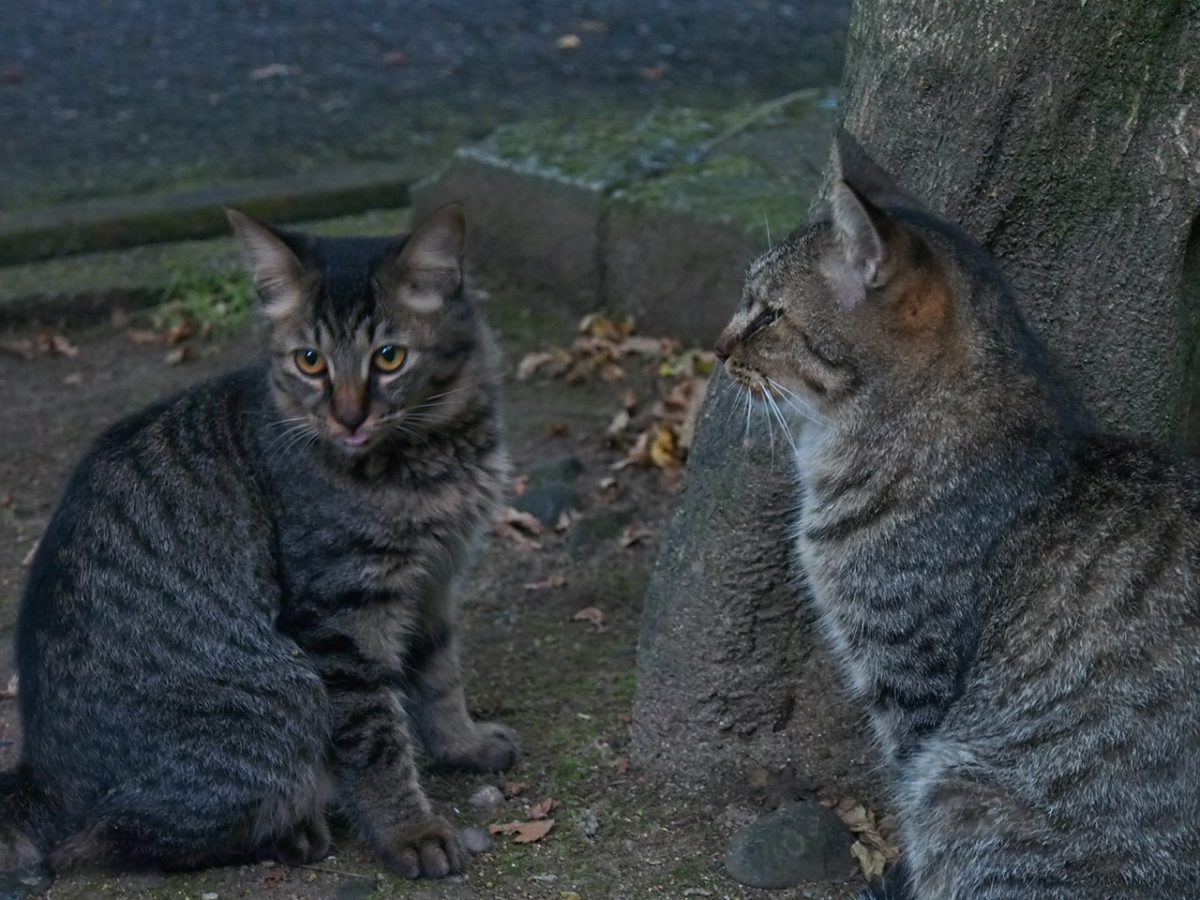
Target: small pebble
[[589, 824], [475, 840], [486, 798]]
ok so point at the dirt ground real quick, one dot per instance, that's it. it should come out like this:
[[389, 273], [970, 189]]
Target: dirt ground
[[566, 685]]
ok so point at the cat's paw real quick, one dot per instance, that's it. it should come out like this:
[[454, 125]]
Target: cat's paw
[[427, 848], [306, 842], [495, 748]]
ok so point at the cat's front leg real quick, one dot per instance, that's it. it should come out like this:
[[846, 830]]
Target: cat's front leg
[[372, 755], [449, 733]]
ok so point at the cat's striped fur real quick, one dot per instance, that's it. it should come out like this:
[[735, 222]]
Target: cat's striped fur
[[242, 609], [1013, 595]]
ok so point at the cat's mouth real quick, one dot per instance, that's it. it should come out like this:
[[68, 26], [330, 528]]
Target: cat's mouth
[[753, 381]]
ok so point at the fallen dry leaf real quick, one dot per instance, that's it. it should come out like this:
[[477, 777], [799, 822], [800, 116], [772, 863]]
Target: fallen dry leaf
[[558, 429], [568, 42], [22, 347], [591, 614], [179, 332], [53, 344], [634, 534], [274, 70], [543, 808], [27, 561], [181, 354], [143, 336], [515, 788], [524, 832], [75, 379], [870, 860], [622, 765], [552, 583], [665, 452]]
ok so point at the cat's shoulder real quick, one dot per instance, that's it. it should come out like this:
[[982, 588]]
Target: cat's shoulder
[[233, 394]]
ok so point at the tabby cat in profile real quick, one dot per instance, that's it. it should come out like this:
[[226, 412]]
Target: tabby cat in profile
[[242, 609], [1013, 594]]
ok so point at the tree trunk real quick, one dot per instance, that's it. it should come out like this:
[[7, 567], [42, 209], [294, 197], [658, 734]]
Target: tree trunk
[[1066, 137]]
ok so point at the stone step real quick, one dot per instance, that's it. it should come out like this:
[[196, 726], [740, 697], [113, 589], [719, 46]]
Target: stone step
[[88, 287], [113, 223]]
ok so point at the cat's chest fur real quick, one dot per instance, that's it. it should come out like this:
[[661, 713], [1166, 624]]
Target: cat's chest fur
[[397, 531]]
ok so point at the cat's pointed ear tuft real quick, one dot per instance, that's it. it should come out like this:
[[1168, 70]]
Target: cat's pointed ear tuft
[[862, 233], [431, 260], [437, 244], [277, 270]]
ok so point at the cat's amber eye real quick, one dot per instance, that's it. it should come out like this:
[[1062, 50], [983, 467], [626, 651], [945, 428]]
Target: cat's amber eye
[[311, 362], [389, 358]]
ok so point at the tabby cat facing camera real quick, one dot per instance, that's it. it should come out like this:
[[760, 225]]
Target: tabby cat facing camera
[[1014, 595], [242, 610]]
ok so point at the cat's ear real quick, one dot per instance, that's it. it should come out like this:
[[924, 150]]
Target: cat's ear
[[278, 272], [853, 165], [430, 264], [863, 234]]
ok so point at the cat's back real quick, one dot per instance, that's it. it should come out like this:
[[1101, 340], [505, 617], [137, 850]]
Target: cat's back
[[163, 516]]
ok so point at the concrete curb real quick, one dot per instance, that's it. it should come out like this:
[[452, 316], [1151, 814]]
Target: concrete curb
[[115, 223], [644, 226]]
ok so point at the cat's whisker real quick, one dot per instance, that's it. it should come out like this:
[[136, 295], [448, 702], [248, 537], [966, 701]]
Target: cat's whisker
[[799, 405], [778, 413]]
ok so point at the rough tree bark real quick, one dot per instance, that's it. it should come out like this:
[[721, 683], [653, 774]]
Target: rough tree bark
[[1066, 137]]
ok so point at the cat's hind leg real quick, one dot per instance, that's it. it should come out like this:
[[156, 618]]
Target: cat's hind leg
[[21, 805]]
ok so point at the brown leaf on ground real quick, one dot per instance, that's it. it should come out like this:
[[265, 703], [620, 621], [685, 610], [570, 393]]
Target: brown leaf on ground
[[665, 450], [558, 429], [593, 615], [53, 344], [874, 834], [623, 765], [618, 425], [602, 327], [22, 347], [27, 560], [870, 860], [515, 788], [524, 832], [274, 70], [552, 583], [143, 336], [180, 355], [518, 527], [179, 332], [634, 534], [543, 808], [553, 362]]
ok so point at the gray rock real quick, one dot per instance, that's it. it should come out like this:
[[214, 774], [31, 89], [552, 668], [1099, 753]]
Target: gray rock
[[589, 823], [475, 840], [486, 799], [796, 843], [560, 468], [602, 525], [546, 501]]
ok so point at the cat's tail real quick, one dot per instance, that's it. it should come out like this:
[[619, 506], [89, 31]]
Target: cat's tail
[[21, 807]]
